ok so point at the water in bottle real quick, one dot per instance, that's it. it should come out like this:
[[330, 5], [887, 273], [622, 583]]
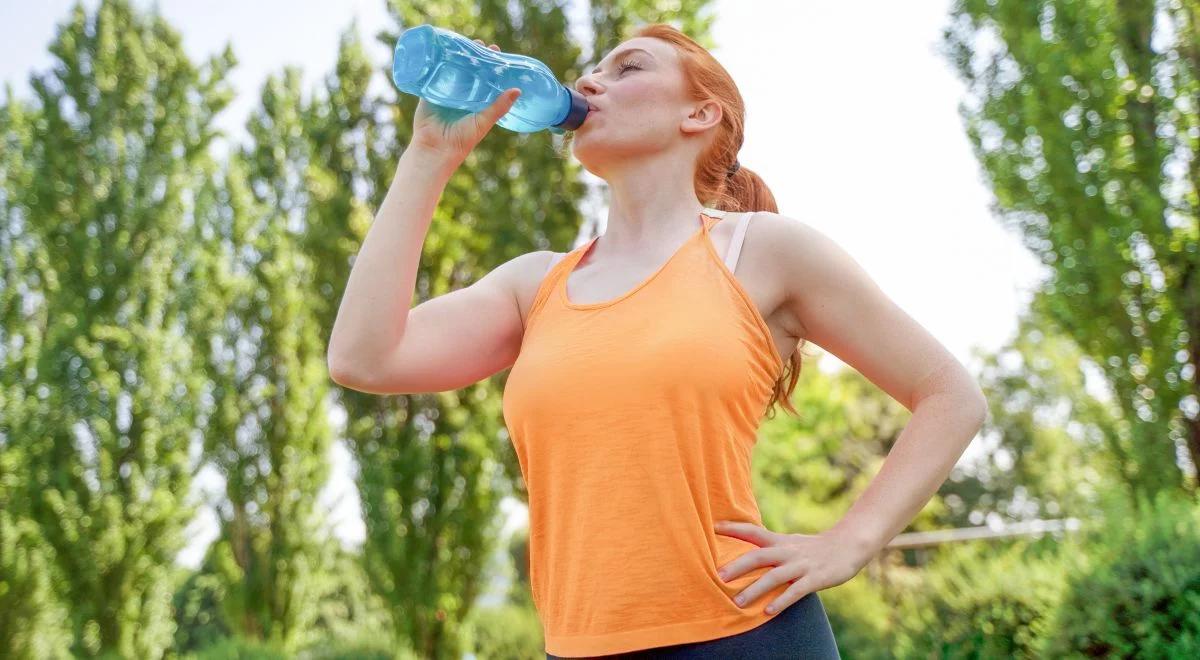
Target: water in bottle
[[449, 70]]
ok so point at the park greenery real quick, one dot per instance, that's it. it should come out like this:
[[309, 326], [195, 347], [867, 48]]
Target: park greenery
[[167, 291]]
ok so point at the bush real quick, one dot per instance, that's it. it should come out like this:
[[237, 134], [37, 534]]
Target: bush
[[235, 648], [506, 631], [198, 619], [1137, 591], [362, 646], [860, 618], [979, 601]]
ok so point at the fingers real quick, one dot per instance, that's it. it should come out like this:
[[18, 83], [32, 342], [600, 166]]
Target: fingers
[[502, 104], [751, 560], [505, 101], [800, 588], [801, 582], [755, 534]]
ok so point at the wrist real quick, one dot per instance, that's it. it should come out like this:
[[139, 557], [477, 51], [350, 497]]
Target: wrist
[[857, 539], [428, 160]]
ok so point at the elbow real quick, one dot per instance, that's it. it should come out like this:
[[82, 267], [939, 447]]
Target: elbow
[[340, 370], [343, 359], [981, 405]]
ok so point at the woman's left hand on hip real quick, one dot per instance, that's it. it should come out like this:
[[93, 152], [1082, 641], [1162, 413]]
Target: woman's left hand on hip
[[810, 562]]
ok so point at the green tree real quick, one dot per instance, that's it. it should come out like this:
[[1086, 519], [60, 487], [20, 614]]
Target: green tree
[[33, 613], [1049, 446], [30, 627], [809, 470], [99, 206], [1084, 118], [270, 433]]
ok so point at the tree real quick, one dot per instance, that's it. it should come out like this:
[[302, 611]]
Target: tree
[[270, 433], [30, 627], [1049, 446], [1084, 119], [103, 404], [809, 470]]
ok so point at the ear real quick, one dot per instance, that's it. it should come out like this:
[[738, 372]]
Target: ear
[[703, 116]]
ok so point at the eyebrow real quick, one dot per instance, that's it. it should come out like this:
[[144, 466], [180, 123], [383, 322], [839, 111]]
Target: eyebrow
[[627, 50]]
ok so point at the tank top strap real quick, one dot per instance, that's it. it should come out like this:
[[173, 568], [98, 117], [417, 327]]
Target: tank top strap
[[559, 263]]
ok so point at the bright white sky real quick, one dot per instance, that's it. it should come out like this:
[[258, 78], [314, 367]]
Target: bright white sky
[[851, 119]]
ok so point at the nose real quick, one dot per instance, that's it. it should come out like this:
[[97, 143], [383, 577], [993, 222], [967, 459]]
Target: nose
[[586, 82]]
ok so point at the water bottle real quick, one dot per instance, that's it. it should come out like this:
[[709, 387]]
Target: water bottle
[[450, 70]]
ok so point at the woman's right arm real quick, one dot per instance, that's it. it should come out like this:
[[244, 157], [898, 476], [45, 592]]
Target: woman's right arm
[[378, 344], [381, 346], [373, 313]]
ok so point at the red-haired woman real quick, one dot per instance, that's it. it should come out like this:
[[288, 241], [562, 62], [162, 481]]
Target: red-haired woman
[[642, 363]]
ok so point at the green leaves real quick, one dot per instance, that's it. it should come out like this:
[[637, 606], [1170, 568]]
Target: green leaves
[[96, 170], [1078, 120]]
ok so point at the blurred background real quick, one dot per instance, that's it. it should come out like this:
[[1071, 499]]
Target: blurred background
[[184, 186]]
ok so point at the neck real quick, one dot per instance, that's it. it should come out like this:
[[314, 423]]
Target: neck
[[652, 208]]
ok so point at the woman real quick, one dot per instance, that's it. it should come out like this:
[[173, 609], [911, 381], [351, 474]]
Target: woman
[[642, 364]]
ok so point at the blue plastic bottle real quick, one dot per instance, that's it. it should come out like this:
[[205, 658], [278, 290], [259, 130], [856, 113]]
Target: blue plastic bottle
[[447, 69]]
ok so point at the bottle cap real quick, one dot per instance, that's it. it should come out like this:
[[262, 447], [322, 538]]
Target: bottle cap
[[576, 113]]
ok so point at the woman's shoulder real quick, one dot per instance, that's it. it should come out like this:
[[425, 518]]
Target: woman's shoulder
[[528, 272]]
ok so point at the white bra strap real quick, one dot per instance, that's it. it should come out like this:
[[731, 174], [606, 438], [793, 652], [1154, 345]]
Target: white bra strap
[[553, 260], [735, 243]]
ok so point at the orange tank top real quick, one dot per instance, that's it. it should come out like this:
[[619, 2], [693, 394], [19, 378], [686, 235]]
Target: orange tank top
[[633, 421]]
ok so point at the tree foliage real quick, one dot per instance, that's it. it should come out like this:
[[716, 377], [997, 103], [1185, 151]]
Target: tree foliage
[[1083, 116], [98, 394]]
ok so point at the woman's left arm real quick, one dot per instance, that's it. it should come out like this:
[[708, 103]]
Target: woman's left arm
[[841, 309]]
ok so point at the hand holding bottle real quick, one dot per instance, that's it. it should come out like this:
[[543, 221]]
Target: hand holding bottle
[[455, 133], [464, 80]]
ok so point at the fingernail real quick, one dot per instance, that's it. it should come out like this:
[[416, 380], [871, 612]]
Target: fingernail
[[722, 575], [739, 600]]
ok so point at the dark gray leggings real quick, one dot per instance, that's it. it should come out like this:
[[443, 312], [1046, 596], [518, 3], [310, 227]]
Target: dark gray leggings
[[801, 630]]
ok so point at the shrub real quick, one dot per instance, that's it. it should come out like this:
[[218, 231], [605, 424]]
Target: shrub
[[860, 618], [361, 646], [505, 631], [1137, 591], [979, 601], [236, 648]]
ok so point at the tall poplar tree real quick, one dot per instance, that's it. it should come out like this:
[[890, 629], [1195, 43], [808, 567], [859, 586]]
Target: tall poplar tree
[[270, 433], [102, 405], [31, 625]]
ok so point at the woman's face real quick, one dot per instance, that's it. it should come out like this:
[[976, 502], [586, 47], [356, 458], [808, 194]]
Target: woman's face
[[638, 100]]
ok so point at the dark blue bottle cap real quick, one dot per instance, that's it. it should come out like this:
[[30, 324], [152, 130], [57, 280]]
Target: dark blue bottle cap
[[576, 113]]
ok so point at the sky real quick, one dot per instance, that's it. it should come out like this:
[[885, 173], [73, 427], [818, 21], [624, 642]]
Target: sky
[[851, 119]]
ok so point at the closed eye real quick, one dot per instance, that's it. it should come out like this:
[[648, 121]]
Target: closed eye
[[627, 66]]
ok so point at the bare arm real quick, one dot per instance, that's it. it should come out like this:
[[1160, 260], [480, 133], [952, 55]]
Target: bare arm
[[378, 344], [844, 311], [374, 309]]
